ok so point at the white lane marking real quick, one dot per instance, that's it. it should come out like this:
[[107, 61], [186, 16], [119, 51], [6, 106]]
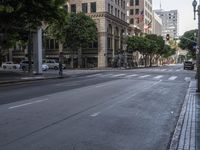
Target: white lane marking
[[163, 69], [172, 78], [178, 70], [67, 84], [158, 77], [94, 75], [95, 114], [102, 85], [27, 78], [187, 79], [118, 75], [144, 76], [170, 70], [30, 103], [132, 75], [106, 75]]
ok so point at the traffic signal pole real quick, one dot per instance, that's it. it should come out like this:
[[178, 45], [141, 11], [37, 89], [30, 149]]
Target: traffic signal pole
[[198, 43], [198, 53]]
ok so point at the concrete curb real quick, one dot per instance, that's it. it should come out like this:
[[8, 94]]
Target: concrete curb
[[26, 80], [177, 132], [2, 83]]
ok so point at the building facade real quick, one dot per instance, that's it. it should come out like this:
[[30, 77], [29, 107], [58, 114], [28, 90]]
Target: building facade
[[110, 17], [170, 21], [140, 14], [157, 25]]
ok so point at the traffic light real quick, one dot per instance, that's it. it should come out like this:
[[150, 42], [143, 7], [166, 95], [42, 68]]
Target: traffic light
[[167, 37]]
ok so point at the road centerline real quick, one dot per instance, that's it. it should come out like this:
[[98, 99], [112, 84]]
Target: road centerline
[[29, 103]]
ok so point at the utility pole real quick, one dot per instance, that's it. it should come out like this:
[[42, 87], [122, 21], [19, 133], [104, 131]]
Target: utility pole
[[194, 4]]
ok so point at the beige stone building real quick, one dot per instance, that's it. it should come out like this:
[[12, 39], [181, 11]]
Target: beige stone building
[[110, 17], [140, 14], [111, 20]]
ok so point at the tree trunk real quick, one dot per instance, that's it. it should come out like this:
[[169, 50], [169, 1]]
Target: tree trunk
[[80, 57], [151, 60], [145, 61], [1, 58], [72, 60], [60, 46]]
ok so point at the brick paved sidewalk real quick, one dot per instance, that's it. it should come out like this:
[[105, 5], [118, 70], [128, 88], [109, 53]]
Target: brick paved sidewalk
[[186, 135]]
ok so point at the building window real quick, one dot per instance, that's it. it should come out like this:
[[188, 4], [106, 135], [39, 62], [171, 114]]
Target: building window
[[84, 7], [109, 8], [131, 12], [131, 21], [73, 8], [137, 11], [124, 5], [138, 20], [131, 2], [116, 12], [112, 10], [93, 7], [136, 2]]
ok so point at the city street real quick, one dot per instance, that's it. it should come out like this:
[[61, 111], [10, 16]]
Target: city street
[[107, 110]]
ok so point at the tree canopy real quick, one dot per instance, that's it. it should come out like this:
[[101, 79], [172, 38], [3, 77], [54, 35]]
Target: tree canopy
[[20, 16], [150, 46], [81, 30], [187, 42]]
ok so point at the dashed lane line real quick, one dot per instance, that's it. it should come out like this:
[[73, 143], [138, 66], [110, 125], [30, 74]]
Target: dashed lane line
[[145, 76], [26, 104], [118, 75], [172, 78], [158, 77]]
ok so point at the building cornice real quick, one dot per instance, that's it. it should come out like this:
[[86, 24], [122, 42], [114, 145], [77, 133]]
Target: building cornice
[[109, 16]]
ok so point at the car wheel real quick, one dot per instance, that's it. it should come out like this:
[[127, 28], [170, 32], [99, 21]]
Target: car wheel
[[24, 68], [56, 68], [4, 67], [14, 67]]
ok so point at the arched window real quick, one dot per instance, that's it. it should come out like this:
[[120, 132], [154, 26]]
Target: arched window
[[110, 29], [116, 31]]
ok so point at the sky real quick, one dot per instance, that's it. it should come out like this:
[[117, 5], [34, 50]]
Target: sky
[[185, 9]]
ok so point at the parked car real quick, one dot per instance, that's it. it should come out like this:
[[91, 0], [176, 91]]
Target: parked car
[[45, 67], [10, 65], [188, 65], [25, 63], [52, 64]]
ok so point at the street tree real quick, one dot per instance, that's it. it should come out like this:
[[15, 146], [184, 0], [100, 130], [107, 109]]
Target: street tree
[[156, 46], [188, 42], [80, 32], [168, 51]]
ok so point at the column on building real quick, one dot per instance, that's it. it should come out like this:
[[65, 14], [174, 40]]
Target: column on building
[[103, 46], [116, 38]]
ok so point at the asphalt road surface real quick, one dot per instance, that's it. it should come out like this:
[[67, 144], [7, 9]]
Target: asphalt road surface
[[111, 110]]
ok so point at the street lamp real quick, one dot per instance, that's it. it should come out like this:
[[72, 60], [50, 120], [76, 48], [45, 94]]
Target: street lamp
[[197, 10]]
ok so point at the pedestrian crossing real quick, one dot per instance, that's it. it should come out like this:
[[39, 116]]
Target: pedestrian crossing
[[161, 70], [141, 76]]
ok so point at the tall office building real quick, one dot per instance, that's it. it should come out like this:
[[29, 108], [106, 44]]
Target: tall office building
[[156, 24], [140, 14], [170, 20]]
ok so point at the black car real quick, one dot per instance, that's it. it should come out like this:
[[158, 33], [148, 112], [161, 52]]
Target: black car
[[188, 65]]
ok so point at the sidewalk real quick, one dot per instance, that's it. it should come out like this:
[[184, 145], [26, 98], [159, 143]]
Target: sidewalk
[[187, 132]]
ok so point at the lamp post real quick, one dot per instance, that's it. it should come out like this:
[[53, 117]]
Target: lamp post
[[197, 10]]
